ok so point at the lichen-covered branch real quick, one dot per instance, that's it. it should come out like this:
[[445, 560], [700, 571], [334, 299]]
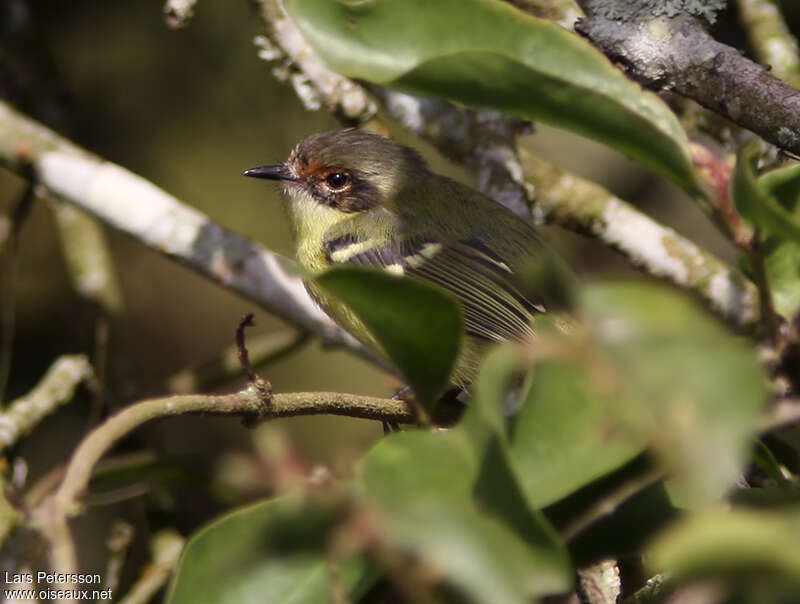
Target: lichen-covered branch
[[678, 54], [314, 83], [583, 206], [770, 38], [138, 208], [56, 388]]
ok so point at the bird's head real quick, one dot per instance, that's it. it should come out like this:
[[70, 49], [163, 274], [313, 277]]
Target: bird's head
[[345, 170]]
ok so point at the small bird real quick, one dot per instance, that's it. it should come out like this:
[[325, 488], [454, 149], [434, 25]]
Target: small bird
[[363, 199]]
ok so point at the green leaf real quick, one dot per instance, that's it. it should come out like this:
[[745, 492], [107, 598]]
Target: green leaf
[[783, 184], [459, 511], [474, 553], [761, 209], [782, 266], [421, 465], [695, 390], [740, 544], [781, 255], [272, 551], [418, 325], [488, 53], [566, 435]]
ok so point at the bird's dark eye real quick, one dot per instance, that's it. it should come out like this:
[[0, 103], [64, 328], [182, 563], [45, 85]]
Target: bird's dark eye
[[337, 180]]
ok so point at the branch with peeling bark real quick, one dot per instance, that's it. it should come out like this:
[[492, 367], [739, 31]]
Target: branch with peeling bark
[[678, 54]]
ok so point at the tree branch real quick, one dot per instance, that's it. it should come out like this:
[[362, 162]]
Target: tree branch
[[254, 403], [586, 207], [56, 388], [678, 54]]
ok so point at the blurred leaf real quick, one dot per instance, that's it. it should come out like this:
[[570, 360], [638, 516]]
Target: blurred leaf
[[565, 436], [770, 202], [419, 326], [272, 551], [425, 485], [740, 544], [487, 53], [623, 529], [783, 184], [419, 464], [697, 389], [761, 209], [475, 553], [782, 265]]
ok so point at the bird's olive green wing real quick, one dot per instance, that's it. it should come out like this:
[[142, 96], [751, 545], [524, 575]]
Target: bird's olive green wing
[[493, 307]]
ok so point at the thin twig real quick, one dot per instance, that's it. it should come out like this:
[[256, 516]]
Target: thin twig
[[652, 591], [608, 504], [56, 388], [263, 350], [166, 546], [51, 516], [244, 358], [119, 542]]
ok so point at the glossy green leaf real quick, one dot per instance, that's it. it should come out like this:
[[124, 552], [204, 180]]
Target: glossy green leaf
[[761, 209], [273, 551], [741, 544], [566, 435], [695, 389], [488, 53], [419, 326], [459, 510]]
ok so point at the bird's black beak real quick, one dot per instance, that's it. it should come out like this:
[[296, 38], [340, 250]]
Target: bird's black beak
[[276, 172]]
